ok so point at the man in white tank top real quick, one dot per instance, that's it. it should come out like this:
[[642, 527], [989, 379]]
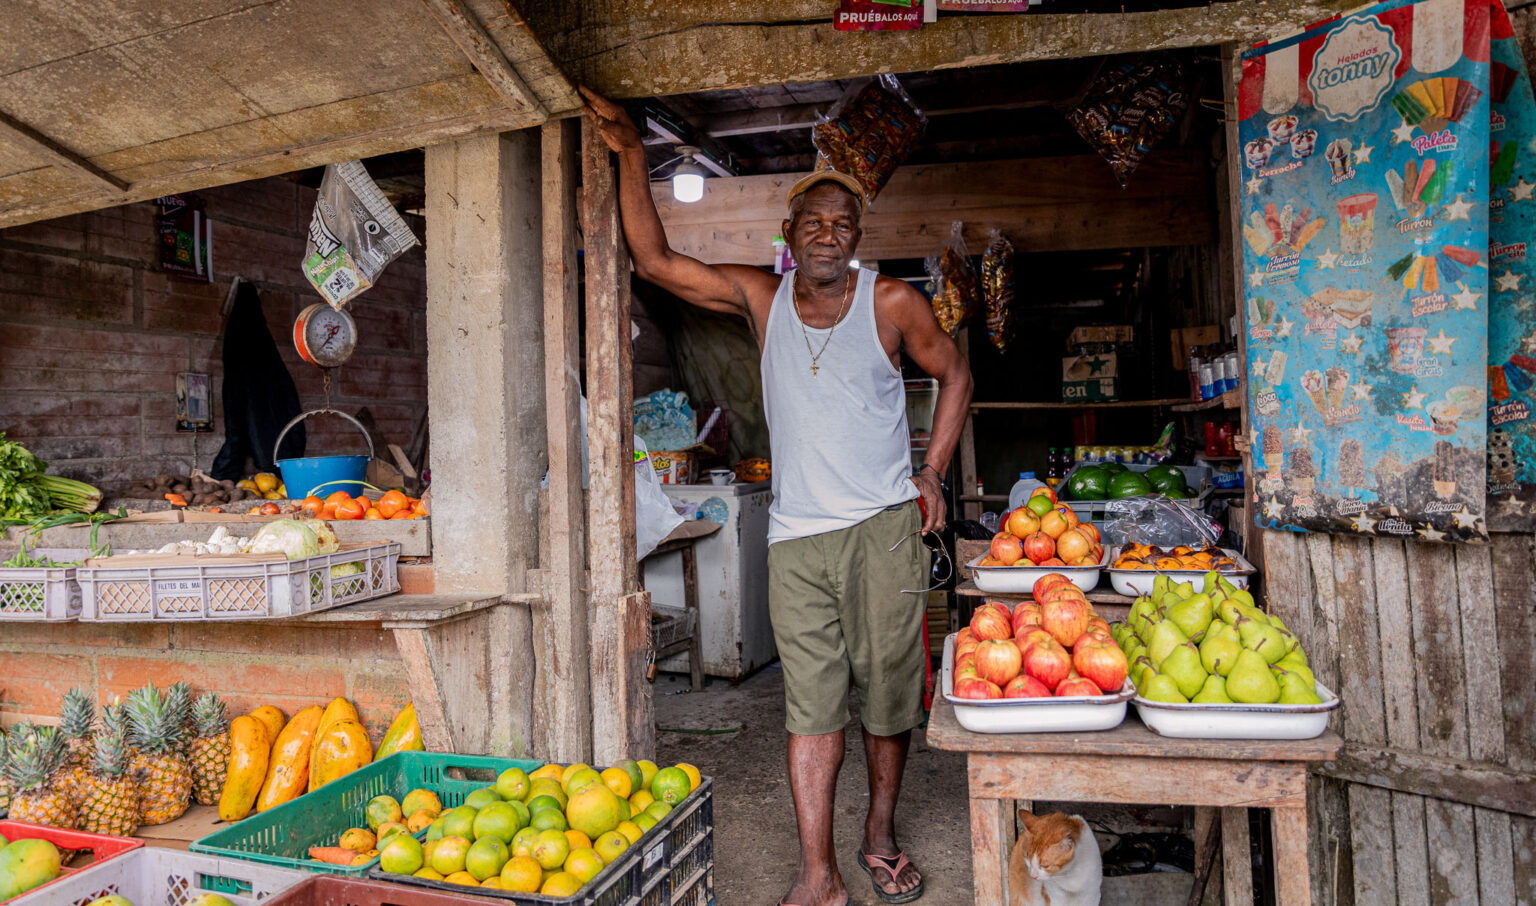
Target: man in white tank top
[[845, 552]]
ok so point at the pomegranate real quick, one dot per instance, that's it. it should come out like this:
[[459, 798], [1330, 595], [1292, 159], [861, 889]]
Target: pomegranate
[[1039, 547], [1065, 619], [1047, 662], [1101, 661], [998, 661], [1025, 686], [1006, 549]]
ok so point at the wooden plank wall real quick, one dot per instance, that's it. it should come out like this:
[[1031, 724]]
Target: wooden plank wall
[[1431, 648]]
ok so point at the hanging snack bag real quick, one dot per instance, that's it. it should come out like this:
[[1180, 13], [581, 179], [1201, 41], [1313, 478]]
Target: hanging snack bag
[[954, 283], [1130, 107], [353, 234], [869, 133], [997, 289]]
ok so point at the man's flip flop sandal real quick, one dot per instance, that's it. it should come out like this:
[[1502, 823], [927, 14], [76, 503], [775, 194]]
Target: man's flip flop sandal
[[893, 866]]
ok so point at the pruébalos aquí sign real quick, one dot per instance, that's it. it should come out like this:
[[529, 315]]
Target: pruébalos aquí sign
[[1353, 69]]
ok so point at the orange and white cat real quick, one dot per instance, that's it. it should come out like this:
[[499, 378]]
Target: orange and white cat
[[1054, 863]]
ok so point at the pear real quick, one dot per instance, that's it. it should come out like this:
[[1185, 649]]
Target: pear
[[1226, 586], [1228, 611], [1142, 670], [1165, 637], [1296, 690], [1192, 616], [1183, 667], [1263, 639], [1214, 692], [1138, 650], [1241, 596], [1294, 656], [1283, 669], [1162, 688], [1219, 648], [1160, 585], [1274, 620], [1291, 642], [1185, 589], [1251, 682], [1210, 586]]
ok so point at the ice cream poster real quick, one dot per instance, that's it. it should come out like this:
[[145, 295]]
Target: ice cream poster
[[1512, 305], [1364, 208]]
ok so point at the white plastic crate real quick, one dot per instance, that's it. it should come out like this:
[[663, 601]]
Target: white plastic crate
[[237, 591], [166, 877], [41, 593]]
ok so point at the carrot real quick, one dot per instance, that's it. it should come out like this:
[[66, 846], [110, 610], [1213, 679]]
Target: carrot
[[335, 855], [176, 499]]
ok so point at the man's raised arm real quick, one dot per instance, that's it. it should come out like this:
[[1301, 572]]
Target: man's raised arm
[[717, 287]]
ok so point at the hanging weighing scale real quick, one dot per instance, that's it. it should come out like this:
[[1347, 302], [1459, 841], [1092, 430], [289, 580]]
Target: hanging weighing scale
[[324, 336]]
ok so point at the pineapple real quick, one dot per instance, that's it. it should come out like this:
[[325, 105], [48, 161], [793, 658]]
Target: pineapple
[[5, 782], [112, 796], [32, 758], [210, 748], [76, 721], [157, 727]]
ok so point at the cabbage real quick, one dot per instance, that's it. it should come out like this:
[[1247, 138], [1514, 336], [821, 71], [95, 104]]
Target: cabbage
[[346, 569], [324, 535], [289, 537]]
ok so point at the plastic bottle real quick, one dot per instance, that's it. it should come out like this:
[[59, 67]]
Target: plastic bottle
[[1022, 488]]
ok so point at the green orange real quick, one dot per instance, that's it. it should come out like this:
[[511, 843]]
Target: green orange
[[671, 785]]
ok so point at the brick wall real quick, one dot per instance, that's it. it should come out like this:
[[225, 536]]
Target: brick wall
[[39, 662], [95, 334]]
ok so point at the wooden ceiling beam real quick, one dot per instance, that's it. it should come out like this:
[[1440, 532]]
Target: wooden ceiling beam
[[645, 57], [19, 134], [486, 56]]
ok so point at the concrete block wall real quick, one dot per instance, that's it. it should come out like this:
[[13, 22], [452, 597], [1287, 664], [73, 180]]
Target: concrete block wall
[[288, 665], [96, 333]]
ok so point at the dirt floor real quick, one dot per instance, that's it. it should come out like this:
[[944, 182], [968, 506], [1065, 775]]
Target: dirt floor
[[755, 845]]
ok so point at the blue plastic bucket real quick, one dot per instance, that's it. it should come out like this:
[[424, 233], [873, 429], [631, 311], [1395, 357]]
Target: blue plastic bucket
[[301, 475]]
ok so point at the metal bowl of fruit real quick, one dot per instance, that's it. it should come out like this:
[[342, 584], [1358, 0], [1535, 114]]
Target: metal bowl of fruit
[[1046, 714], [1194, 720], [1132, 568], [1020, 578]]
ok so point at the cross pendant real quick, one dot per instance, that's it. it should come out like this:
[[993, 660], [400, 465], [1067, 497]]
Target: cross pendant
[[814, 369]]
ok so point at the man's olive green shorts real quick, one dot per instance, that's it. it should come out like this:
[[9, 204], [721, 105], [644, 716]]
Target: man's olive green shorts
[[839, 613]]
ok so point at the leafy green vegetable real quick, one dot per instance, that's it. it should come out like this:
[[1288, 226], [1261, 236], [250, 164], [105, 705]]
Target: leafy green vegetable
[[26, 492]]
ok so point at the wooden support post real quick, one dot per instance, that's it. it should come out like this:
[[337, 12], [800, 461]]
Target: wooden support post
[[1236, 863], [563, 694], [620, 620], [485, 375], [992, 835]]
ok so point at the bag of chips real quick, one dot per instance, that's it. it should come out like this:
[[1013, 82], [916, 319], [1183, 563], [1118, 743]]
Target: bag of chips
[[353, 234], [954, 282], [1129, 108], [869, 133], [997, 289]]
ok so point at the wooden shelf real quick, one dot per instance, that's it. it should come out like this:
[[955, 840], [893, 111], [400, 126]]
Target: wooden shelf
[[1229, 400], [1117, 404], [1098, 596], [984, 498]]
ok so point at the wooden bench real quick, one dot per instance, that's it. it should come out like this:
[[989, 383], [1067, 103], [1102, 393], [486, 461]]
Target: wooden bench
[[1131, 764], [682, 632]]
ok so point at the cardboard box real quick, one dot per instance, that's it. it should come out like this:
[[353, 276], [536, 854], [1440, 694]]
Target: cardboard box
[[1090, 378], [1101, 333], [1184, 337]]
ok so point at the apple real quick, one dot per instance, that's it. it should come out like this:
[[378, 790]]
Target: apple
[[1077, 686], [990, 623], [1006, 549], [1047, 582], [1025, 614], [1053, 561], [1047, 662], [1068, 514], [1071, 546], [1090, 531], [1096, 623], [1043, 492], [1053, 524], [1101, 661], [1025, 686], [976, 688], [965, 668], [998, 661], [989, 560], [1022, 521], [1063, 591], [1039, 547], [966, 645], [1065, 619]]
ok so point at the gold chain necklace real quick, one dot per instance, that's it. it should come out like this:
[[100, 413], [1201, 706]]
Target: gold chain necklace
[[794, 295]]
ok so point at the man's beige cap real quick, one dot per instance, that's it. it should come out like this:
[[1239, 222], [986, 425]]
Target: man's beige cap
[[805, 182]]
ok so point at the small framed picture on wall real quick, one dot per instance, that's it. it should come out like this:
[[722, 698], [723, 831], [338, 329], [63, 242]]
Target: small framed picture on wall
[[194, 402]]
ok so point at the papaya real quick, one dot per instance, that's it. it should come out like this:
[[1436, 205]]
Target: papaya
[[271, 718], [250, 746], [403, 735], [339, 709], [339, 749], [288, 767]]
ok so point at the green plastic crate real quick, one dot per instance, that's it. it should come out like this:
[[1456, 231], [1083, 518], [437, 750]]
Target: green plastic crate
[[283, 835]]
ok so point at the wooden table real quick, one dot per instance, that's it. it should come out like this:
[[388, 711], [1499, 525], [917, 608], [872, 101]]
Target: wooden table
[[1131, 764]]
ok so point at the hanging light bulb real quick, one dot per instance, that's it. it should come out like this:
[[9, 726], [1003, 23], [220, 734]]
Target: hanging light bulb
[[688, 177]]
